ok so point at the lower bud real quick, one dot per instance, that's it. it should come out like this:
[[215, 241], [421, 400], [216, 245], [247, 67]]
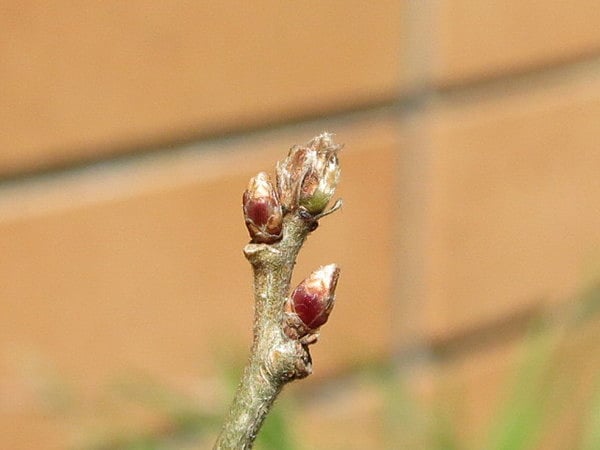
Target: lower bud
[[310, 304]]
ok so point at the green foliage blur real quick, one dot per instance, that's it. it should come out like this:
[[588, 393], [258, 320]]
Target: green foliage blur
[[537, 396]]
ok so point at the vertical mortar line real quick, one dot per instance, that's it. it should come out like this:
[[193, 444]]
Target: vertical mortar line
[[412, 191]]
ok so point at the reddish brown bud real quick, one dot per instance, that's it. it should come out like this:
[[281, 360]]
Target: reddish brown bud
[[262, 210], [309, 175], [311, 302]]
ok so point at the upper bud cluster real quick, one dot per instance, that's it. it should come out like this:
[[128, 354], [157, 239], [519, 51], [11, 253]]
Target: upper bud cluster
[[262, 210], [309, 175], [306, 181]]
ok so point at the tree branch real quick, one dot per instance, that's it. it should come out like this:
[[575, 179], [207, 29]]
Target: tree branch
[[279, 220]]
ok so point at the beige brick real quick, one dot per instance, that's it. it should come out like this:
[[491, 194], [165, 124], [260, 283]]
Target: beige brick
[[27, 431], [512, 217], [473, 40], [81, 81], [349, 416], [468, 391]]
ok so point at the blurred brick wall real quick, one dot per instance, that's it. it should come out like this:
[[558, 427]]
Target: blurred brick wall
[[129, 130]]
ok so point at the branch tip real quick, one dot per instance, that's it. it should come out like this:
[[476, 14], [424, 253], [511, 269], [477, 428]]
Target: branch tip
[[279, 216]]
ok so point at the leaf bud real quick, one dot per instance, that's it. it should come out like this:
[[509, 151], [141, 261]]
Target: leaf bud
[[262, 210], [310, 304], [309, 175]]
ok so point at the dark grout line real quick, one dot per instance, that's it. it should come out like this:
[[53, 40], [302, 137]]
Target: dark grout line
[[583, 307], [522, 79], [124, 153], [554, 68], [438, 351], [486, 335], [461, 344]]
